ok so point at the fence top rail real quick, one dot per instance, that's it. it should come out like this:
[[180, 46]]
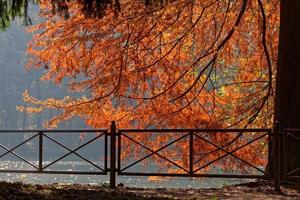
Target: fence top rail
[[196, 130], [297, 130], [54, 131], [136, 130]]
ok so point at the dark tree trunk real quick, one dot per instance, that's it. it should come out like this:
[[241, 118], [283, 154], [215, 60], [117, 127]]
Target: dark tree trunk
[[287, 101]]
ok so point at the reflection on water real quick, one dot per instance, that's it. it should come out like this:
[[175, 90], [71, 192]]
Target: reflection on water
[[103, 179]]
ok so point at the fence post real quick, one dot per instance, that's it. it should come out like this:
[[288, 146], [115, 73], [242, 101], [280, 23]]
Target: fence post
[[277, 160], [270, 152], [40, 151], [112, 154], [191, 153], [284, 155]]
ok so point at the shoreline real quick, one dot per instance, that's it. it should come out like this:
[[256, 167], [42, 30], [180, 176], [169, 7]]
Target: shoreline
[[253, 190]]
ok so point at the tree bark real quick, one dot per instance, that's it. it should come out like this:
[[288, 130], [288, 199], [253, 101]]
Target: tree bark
[[287, 99]]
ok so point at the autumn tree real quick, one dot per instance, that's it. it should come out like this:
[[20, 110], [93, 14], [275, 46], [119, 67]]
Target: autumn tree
[[162, 64], [210, 48]]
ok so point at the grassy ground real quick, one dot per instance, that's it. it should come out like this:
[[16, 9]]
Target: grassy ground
[[256, 190]]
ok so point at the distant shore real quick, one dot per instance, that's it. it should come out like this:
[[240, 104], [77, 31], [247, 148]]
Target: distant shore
[[254, 190]]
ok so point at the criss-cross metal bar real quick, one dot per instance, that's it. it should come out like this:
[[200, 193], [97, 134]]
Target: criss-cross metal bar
[[231, 153], [154, 152], [293, 136], [17, 146], [287, 134], [293, 172], [17, 155], [73, 151]]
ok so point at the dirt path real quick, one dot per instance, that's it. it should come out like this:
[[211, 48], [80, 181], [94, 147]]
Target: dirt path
[[257, 190]]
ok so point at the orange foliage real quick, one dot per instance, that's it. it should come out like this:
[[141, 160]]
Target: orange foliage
[[202, 63]]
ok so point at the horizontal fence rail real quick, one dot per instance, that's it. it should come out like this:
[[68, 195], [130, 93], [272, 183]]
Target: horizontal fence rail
[[197, 162]]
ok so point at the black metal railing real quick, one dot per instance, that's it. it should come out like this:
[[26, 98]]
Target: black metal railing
[[192, 135], [288, 135], [42, 166], [113, 147]]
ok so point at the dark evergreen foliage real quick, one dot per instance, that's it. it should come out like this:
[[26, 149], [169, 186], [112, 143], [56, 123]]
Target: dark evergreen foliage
[[11, 9]]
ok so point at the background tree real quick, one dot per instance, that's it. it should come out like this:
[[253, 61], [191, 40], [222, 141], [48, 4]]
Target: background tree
[[14, 79], [11, 9]]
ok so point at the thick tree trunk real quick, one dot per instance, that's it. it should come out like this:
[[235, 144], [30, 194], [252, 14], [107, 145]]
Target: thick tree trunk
[[287, 101]]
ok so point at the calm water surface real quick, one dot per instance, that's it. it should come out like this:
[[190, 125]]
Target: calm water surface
[[103, 179]]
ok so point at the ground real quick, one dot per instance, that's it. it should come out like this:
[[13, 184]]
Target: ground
[[256, 190]]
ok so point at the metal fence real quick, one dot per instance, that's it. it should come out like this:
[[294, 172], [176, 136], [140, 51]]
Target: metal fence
[[113, 148], [44, 167], [191, 136], [288, 135]]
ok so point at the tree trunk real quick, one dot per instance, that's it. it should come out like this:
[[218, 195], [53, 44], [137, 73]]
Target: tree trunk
[[287, 100]]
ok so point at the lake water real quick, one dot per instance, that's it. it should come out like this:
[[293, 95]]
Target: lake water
[[103, 179]]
